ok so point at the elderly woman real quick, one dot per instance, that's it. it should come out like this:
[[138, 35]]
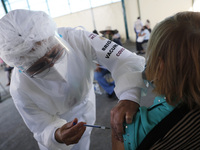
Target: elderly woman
[[173, 65]]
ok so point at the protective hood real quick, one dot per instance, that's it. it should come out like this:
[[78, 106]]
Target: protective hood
[[19, 32]]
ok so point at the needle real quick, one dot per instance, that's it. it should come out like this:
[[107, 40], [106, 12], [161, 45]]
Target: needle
[[94, 126]]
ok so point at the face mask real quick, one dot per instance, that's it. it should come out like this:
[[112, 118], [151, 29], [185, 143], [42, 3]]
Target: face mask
[[147, 83]]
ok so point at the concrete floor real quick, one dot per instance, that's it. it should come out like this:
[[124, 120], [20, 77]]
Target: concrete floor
[[14, 135]]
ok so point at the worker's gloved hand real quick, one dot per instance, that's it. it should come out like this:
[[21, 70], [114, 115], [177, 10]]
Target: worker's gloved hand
[[124, 111], [70, 133]]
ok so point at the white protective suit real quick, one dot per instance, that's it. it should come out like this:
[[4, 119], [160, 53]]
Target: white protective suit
[[47, 105]]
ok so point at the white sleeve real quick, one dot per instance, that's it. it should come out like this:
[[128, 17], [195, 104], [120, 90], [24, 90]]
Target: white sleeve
[[40, 123], [132, 94], [125, 66]]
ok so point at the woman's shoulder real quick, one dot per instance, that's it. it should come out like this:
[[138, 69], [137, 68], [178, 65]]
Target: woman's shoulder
[[156, 112]]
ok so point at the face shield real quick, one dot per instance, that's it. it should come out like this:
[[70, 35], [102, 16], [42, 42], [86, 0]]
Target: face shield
[[55, 54]]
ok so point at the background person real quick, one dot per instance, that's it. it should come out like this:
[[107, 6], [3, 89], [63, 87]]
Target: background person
[[99, 76], [148, 25], [107, 33], [138, 26], [52, 82], [95, 31], [176, 81], [8, 71], [112, 35], [117, 37], [144, 34]]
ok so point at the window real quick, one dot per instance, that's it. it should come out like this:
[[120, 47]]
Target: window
[[58, 7], [54, 8], [2, 12], [115, 1], [39, 5], [196, 6], [18, 4], [78, 5], [96, 3]]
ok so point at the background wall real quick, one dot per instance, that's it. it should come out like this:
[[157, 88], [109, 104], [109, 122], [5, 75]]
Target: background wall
[[112, 15], [107, 15], [156, 10]]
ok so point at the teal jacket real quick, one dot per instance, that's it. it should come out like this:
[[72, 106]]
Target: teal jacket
[[144, 121]]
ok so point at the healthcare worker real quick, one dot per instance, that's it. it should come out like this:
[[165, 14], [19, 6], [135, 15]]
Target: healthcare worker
[[52, 82]]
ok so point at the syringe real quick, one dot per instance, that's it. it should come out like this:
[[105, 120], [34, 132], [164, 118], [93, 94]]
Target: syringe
[[94, 126]]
